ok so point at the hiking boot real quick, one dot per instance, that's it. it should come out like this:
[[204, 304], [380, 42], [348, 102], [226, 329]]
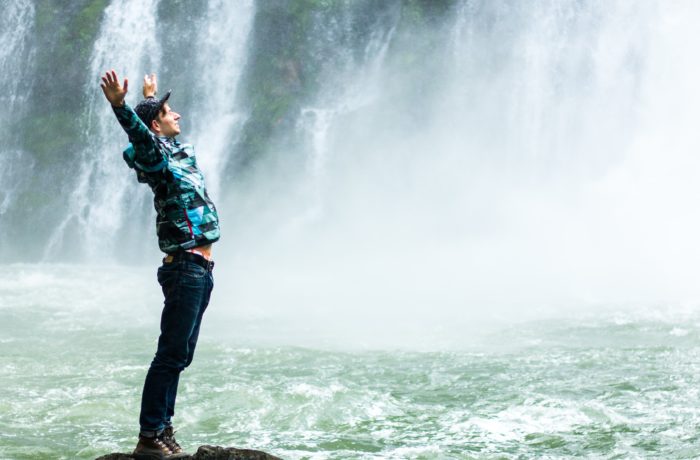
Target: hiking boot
[[168, 438], [152, 449]]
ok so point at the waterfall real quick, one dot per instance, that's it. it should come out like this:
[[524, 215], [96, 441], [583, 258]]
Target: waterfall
[[16, 75], [107, 207], [494, 142], [16, 59], [351, 82], [105, 193], [490, 159], [16, 26], [221, 45], [562, 79]]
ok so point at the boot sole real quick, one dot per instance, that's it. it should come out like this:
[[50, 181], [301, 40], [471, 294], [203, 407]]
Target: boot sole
[[152, 456]]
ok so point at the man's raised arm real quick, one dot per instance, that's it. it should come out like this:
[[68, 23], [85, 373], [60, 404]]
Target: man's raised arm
[[150, 86], [113, 90], [132, 124], [145, 151]]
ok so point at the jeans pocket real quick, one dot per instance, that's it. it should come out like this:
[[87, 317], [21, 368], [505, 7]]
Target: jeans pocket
[[167, 271], [193, 271], [168, 279]]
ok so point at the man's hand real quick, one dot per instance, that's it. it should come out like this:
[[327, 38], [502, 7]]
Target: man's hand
[[150, 86], [114, 92]]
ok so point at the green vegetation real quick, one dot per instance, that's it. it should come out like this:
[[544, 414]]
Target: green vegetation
[[64, 36], [276, 80]]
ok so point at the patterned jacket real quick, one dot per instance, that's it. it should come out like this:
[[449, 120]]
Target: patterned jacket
[[186, 217]]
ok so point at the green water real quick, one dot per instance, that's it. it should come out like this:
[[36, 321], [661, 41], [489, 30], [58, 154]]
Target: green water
[[74, 351]]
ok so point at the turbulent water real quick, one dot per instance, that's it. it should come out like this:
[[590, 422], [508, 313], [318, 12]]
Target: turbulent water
[[75, 350], [450, 229]]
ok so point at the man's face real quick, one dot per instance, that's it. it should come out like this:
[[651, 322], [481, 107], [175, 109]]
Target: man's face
[[166, 123]]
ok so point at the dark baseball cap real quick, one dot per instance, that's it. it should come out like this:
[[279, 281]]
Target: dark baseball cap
[[148, 109]]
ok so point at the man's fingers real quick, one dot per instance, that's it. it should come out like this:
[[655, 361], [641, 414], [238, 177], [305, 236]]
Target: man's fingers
[[107, 81], [149, 79], [126, 85]]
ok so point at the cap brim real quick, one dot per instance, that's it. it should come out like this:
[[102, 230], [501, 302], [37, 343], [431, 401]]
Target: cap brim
[[164, 99]]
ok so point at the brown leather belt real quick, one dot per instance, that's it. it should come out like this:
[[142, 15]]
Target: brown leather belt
[[190, 257]]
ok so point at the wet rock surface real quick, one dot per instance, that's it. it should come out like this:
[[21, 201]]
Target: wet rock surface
[[209, 453]]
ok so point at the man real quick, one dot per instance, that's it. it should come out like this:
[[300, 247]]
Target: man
[[187, 224]]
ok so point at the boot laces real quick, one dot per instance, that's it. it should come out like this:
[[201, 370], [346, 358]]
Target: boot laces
[[170, 442]]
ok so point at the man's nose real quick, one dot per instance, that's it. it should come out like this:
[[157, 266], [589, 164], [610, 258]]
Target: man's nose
[[176, 116]]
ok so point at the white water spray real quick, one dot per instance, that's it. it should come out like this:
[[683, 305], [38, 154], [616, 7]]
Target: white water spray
[[534, 185], [222, 46], [107, 201], [16, 25], [543, 156], [106, 192], [16, 59], [350, 84]]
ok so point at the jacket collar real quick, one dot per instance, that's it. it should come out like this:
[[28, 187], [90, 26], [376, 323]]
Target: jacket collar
[[169, 140]]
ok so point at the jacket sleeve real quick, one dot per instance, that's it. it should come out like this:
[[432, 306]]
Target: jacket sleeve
[[147, 152]]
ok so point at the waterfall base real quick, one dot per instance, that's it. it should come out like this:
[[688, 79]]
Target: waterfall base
[[209, 453]]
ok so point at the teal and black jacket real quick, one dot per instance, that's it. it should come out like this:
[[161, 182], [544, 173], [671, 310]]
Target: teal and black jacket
[[187, 217]]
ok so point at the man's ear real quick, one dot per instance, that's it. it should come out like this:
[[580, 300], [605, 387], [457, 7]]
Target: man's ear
[[155, 126]]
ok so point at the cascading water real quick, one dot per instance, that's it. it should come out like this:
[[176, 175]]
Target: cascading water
[[221, 46], [15, 73], [15, 79], [108, 210], [493, 150], [561, 79], [349, 83], [477, 175], [104, 195]]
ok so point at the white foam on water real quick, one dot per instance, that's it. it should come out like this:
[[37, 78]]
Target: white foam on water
[[514, 423], [428, 451], [316, 392]]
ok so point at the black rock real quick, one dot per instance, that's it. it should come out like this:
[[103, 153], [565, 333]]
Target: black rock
[[210, 453], [230, 453]]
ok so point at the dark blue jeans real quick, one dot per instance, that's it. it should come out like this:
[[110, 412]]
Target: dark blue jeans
[[187, 288]]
